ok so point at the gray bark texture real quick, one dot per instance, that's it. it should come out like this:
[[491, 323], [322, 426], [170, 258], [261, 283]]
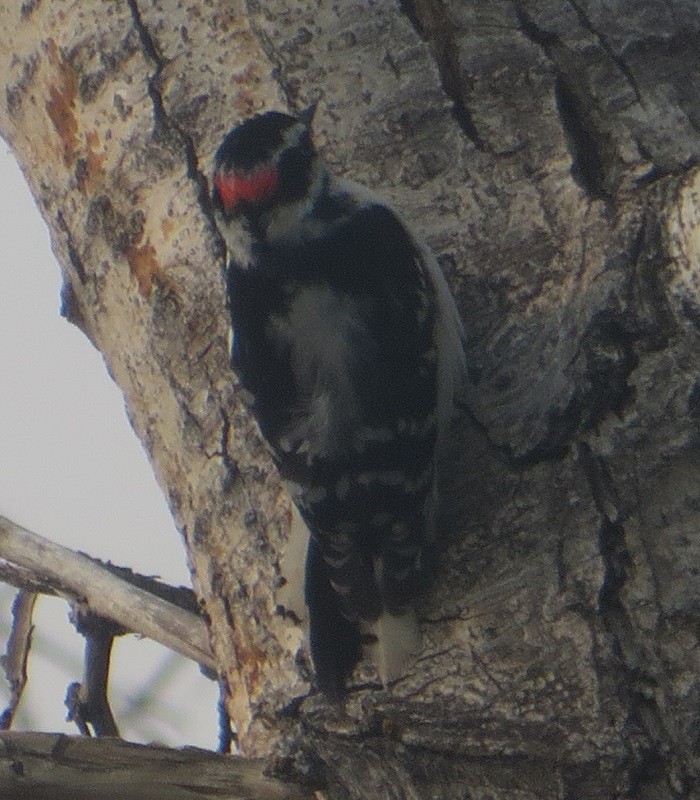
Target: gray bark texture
[[548, 151], [50, 766]]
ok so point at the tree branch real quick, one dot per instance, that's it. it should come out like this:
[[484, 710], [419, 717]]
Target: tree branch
[[14, 662], [79, 578], [42, 766], [87, 702]]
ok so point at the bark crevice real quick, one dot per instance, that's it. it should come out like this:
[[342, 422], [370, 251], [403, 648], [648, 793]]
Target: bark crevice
[[658, 763], [431, 22], [165, 127]]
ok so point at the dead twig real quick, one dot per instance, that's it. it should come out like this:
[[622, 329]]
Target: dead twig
[[108, 592], [14, 662], [87, 702]]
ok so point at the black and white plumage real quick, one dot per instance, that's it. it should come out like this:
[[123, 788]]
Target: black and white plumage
[[347, 337]]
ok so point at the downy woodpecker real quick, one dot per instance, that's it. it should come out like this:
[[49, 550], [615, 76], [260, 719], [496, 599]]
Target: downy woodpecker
[[350, 344]]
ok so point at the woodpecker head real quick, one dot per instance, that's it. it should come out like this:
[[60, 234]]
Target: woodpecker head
[[265, 164]]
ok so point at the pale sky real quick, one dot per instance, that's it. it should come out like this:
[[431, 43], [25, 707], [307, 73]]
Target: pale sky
[[72, 470]]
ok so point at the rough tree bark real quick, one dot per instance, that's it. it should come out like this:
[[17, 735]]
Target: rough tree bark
[[547, 149]]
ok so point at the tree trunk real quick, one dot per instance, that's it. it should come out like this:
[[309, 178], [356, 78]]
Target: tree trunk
[[547, 151]]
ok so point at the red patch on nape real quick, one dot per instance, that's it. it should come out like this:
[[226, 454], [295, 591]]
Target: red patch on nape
[[256, 187]]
